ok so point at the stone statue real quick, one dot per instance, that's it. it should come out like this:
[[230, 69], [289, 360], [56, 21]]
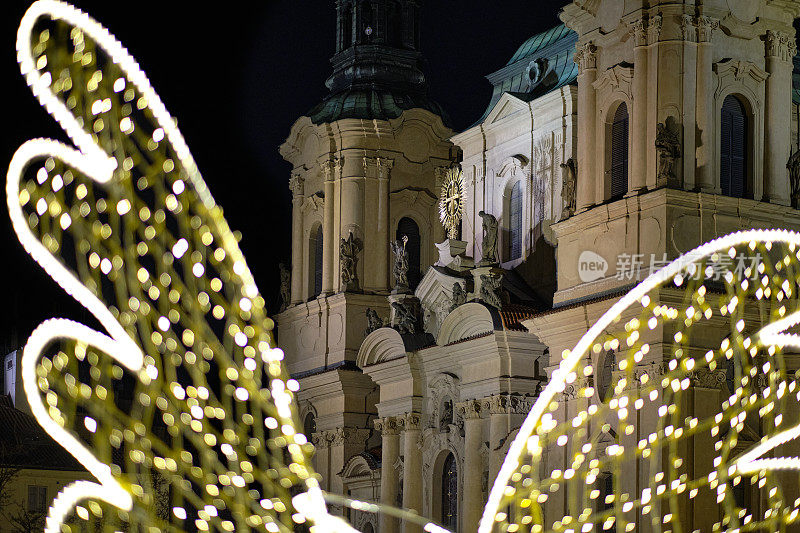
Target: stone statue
[[405, 319], [459, 296], [668, 149], [489, 238], [569, 188], [794, 178], [490, 290], [348, 260], [373, 321], [400, 268], [286, 286]]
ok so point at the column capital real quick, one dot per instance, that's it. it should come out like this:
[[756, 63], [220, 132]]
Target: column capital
[[470, 410], [654, 24], [296, 185], [689, 28], [779, 45], [638, 30], [330, 166], [586, 56], [512, 404], [704, 378], [410, 421], [388, 425], [705, 28]]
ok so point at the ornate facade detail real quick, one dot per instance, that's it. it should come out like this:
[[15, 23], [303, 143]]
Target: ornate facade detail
[[340, 436], [688, 28], [286, 286], [794, 178], [405, 316], [507, 404], [387, 425], [490, 294], [410, 421], [654, 25], [668, 148], [569, 187], [400, 266], [331, 167], [470, 409], [374, 321], [441, 388], [638, 30], [385, 166], [739, 72], [459, 297], [490, 227], [780, 45], [708, 379], [586, 56], [296, 185], [617, 79], [348, 261], [705, 28]]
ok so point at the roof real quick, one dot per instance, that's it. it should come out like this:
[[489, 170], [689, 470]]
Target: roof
[[24, 444], [539, 42], [371, 104], [513, 315], [544, 63]]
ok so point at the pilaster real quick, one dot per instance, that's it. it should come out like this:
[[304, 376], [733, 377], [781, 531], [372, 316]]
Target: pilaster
[[412, 467], [390, 453], [586, 58], [706, 113], [780, 48], [296, 186]]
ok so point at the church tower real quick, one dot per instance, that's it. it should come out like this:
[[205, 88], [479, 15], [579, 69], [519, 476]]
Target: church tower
[[364, 173]]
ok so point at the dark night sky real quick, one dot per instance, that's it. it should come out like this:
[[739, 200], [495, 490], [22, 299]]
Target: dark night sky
[[236, 75]]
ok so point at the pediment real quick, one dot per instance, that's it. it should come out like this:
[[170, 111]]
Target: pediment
[[506, 107], [312, 203]]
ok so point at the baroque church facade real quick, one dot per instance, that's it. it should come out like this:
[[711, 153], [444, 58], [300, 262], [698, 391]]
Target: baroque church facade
[[628, 134]]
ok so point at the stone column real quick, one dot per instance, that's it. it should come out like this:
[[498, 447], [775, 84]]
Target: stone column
[[688, 90], [586, 58], [706, 111], [296, 186], [780, 48], [639, 148], [412, 468], [472, 502], [390, 451], [384, 232], [329, 247]]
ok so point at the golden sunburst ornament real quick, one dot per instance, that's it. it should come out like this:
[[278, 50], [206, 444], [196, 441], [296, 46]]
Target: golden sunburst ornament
[[451, 201]]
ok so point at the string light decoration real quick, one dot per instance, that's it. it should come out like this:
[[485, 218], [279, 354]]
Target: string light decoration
[[181, 408], [698, 428]]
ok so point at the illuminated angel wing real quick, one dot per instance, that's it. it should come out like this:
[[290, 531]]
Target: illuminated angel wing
[[682, 408], [180, 408]]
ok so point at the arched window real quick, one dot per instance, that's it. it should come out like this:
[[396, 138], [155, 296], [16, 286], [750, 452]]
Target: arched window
[[514, 244], [407, 227], [733, 144], [450, 493], [315, 263], [619, 152], [309, 426], [604, 503]]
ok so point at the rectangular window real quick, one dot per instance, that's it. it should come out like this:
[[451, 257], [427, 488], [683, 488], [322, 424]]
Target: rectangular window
[[37, 499]]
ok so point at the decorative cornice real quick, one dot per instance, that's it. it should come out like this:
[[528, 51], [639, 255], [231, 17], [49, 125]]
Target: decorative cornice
[[586, 56], [779, 45], [340, 436], [740, 71]]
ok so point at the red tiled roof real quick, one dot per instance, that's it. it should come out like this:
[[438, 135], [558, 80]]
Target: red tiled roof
[[512, 316]]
